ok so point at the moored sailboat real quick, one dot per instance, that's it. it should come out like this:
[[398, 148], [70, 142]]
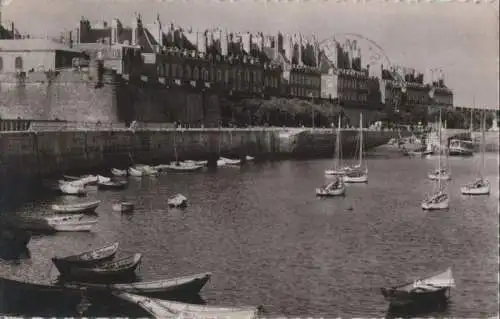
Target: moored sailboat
[[337, 162], [358, 173], [440, 198], [441, 173], [481, 186]]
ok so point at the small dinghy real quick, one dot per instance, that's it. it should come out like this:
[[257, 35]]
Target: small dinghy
[[112, 185], [123, 207], [249, 158], [335, 188], [164, 309], [84, 180], [118, 172], [185, 286], [433, 289], [86, 259], [183, 167], [441, 174], [439, 200], [135, 172], [178, 201], [103, 179], [124, 267], [69, 223], [479, 187], [72, 188], [230, 161], [78, 208]]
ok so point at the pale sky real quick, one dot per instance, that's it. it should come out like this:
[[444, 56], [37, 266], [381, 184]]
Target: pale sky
[[460, 38]]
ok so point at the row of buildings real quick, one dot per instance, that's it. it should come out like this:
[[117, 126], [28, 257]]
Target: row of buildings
[[239, 65]]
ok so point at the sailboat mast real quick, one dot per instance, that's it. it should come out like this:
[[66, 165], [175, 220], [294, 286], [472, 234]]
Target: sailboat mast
[[440, 151], [471, 128], [337, 146], [483, 141], [360, 139]]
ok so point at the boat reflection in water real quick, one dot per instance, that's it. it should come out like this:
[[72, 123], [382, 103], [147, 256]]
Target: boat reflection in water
[[439, 310], [19, 298]]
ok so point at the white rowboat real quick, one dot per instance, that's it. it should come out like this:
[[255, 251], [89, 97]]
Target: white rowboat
[[164, 309], [76, 208]]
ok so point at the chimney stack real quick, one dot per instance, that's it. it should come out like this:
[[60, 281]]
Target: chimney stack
[[114, 31]]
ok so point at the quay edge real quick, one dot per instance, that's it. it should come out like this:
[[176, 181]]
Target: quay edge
[[28, 156]]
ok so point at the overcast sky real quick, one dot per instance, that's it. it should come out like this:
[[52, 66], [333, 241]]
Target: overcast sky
[[460, 38]]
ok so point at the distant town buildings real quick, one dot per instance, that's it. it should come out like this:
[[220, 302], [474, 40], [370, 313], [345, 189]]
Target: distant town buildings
[[236, 65]]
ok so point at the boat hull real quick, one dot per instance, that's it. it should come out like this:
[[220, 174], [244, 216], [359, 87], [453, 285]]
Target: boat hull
[[330, 193], [112, 185], [398, 299], [460, 152], [177, 287], [76, 209], [333, 172], [434, 177], [102, 271], [76, 227], [475, 191], [436, 206], [355, 179]]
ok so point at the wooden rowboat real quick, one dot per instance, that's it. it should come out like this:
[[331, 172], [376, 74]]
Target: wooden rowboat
[[86, 259], [124, 267], [185, 286], [73, 225], [112, 185], [168, 309], [433, 289], [72, 188], [78, 208]]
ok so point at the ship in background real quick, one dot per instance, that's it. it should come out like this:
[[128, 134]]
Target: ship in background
[[157, 73]]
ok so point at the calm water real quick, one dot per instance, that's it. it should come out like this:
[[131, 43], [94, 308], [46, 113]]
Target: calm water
[[268, 240]]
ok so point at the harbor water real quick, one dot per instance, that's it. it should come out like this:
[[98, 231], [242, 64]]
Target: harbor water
[[268, 240]]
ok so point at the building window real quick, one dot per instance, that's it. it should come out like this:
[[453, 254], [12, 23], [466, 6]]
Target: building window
[[266, 82], [226, 76], [166, 69], [188, 72], [174, 70], [160, 70], [1, 64], [196, 74], [18, 63], [219, 76], [204, 74]]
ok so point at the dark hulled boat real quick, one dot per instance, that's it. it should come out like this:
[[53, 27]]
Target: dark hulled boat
[[431, 290], [86, 259], [180, 286], [112, 185], [121, 268]]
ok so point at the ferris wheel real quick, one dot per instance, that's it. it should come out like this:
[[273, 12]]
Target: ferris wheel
[[370, 52]]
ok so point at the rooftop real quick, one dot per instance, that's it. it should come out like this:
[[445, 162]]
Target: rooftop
[[33, 45]]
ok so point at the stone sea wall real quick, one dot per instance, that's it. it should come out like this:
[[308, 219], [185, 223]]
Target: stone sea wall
[[28, 156]]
